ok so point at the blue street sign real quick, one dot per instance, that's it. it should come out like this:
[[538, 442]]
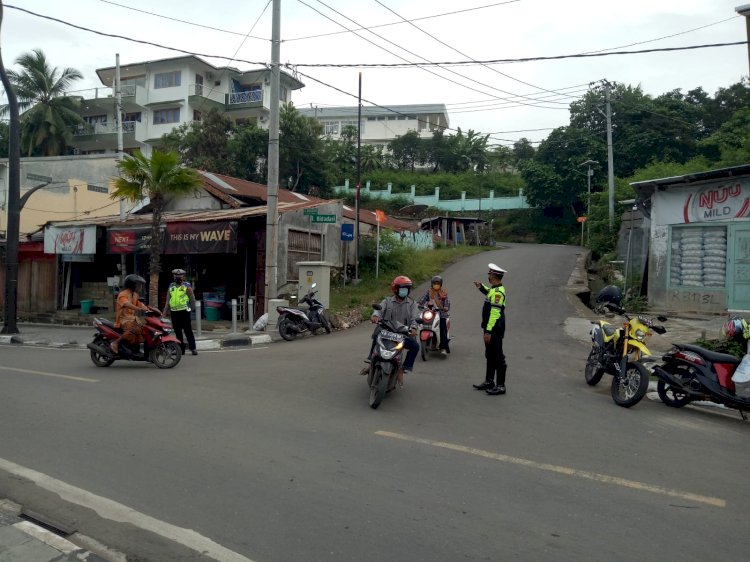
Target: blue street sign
[[347, 232]]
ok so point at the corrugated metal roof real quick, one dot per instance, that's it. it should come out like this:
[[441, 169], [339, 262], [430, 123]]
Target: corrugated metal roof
[[370, 111]]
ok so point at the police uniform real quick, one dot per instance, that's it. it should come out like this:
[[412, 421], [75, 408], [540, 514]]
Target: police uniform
[[180, 300], [493, 323]]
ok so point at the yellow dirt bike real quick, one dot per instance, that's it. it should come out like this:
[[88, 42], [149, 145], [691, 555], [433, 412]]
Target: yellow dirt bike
[[621, 353]]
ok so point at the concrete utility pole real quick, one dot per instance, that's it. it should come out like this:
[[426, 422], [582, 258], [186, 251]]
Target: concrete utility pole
[[272, 221], [118, 122], [359, 176], [744, 10], [610, 156], [589, 173], [14, 205]]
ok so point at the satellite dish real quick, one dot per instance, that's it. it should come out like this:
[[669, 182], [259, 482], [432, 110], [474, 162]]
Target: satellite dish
[[413, 209]]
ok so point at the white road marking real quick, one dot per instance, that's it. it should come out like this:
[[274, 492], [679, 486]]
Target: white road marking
[[716, 502], [120, 513], [45, 374]]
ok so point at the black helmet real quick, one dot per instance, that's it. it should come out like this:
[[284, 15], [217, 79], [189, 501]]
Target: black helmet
[[131, 282], [610, 294], [437, 279]]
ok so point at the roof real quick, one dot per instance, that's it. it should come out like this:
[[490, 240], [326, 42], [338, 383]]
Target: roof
[[648, 186], [233, 190], [465, 220], [373, 111], [368, 217]]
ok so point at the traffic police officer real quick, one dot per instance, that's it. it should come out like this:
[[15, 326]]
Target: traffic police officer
[[493, 325], [180, 301]]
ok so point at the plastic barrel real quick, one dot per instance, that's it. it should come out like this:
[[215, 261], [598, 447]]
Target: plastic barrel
[[213, 313], [86, 306]]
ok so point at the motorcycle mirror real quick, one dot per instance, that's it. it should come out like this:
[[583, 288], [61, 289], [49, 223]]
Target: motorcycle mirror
[[659, 329]]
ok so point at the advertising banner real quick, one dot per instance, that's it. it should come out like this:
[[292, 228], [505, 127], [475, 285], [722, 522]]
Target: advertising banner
[[709, 202], [134, 240], [74, 240], [201, 238]]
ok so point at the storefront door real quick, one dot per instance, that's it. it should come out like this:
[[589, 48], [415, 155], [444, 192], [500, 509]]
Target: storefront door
[[738, 283]]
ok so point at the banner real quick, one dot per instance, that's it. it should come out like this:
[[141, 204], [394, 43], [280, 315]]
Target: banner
[[134, 240], [201, 238], [70, 240]]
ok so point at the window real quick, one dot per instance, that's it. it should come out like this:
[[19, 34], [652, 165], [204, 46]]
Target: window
[[698, 257], [94, 119], [167, 79], [283, 93], [171, 115], [331, 127], [197, 115], [301, 246]]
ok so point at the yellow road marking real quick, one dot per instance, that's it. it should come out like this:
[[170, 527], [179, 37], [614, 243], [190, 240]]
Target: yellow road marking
[[45, 374], [717, 502]]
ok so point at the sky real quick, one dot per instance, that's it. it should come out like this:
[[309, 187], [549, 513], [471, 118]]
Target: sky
[[508, 100]]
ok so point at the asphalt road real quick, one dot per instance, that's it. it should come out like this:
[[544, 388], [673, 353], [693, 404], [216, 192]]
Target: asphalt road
[[272, 454]]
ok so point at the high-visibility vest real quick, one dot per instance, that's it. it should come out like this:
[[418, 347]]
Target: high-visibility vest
[[178, 297]]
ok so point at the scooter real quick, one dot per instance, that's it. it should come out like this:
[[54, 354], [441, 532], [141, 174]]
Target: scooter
[[386, 359], [293, 321], [160, 346], [690, 373], [429, 332], [621, 353]]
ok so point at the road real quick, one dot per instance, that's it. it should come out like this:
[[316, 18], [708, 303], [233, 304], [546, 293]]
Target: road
[[272, 454]]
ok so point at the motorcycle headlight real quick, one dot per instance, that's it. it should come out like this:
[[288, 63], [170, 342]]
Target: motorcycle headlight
[[428, 315], [385, 354], [640, 335]]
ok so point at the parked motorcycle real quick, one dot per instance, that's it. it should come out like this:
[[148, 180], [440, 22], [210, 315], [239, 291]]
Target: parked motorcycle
[[690, 373], [386, 359], [429, 332], [293, 321], [160, 346], [620, 352]]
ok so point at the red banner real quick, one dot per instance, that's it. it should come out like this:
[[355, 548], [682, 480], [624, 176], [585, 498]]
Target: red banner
[[129, 241], [201, 238]]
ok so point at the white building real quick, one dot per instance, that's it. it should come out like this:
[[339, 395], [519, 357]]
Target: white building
[[381, 125], [160, 95]]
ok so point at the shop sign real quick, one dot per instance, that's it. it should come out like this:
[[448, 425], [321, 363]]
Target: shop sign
[[720, 201], [70, 240], [201, 238], [129, 240]]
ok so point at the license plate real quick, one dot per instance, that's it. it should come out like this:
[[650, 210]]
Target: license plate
[[392, 336]]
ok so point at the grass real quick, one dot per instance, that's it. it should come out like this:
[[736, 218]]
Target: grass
[[420, 266]]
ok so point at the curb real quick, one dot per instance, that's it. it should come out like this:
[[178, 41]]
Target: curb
[[10, 339]]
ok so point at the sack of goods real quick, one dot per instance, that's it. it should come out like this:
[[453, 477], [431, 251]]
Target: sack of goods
[[741, 378]]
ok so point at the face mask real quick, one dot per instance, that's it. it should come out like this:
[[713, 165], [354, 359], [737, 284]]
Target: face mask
[[403, 292], [436, 287]]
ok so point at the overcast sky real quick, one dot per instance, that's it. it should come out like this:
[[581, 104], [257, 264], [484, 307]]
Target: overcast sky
[[507, 100]]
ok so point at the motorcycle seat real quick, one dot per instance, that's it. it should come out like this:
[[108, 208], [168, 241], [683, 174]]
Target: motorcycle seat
[[109, 324], [712, 356], [609, 329]]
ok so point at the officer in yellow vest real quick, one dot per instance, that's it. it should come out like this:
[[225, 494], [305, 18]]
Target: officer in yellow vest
[[180, 301], [493, 325]]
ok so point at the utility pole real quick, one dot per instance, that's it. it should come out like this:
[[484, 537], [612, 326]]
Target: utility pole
[[589, 173], [272, 221], [359, 173], [118, 123], [610, 156], [14, 204], [745, 11]]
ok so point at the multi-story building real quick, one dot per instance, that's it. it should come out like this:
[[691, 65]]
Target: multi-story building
[[160, 95], [380, 125]]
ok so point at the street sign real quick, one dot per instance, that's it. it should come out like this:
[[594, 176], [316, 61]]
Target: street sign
[[37, 177], [347, 232], [581, 219], [324, 218], [379, 216], [309, 212]]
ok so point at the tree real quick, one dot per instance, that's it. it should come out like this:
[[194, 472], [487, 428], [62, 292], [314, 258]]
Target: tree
[[407, 151], [523, 150], [157, 178], [300, 149], [49, 115], [203, 144], [371, 158]]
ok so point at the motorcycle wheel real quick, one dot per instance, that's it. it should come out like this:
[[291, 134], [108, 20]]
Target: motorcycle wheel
[[285, 329], [594, 371], [423, 349], [671, 396], [630, 387], [101, 360], [377, 388], [326, 323], [166, 355]]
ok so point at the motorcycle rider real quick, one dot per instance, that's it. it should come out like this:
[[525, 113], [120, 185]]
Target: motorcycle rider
[[439, 297], [180, 301], [128, 305], [399, 309], [493, 326]]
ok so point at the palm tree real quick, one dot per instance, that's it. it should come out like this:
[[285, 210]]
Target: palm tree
[[157, 178], [49, 115]]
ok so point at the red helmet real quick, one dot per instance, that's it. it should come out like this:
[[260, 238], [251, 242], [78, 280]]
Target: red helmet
[[400, 281]]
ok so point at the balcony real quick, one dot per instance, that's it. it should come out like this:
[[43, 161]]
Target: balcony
[[198, 94], [246, 99], [87, 136]]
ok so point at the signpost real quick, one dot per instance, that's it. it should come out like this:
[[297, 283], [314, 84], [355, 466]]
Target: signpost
[[310, 212], [582, 220], [347, 235]]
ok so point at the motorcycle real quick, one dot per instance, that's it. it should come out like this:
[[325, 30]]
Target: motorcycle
[[293, 321], [429, 332], [160, 346], [621, 353], [691, 373], [386, 359]]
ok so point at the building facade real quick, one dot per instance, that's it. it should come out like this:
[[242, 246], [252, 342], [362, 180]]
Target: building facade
[[160, 95]]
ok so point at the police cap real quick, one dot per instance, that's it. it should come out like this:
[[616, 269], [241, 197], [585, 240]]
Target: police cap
[[496, 270]]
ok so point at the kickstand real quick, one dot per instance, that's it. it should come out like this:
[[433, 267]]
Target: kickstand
[[744, 416]]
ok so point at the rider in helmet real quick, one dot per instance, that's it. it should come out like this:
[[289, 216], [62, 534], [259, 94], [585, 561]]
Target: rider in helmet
[[400, 309], [128, 304], [439, 296]]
